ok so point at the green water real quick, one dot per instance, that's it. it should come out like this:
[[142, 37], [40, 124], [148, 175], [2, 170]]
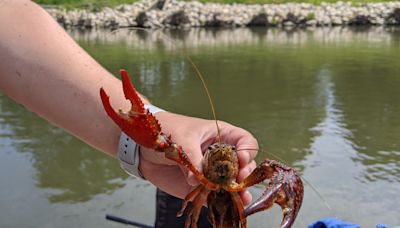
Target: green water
[[326, 101]]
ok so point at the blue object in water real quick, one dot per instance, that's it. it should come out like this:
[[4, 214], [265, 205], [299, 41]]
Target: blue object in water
[[336, 223], [332, 223]]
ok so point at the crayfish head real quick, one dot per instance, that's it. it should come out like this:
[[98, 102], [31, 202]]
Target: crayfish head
[[221, 163]]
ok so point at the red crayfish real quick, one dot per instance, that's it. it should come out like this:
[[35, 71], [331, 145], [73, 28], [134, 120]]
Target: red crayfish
[[218, 186]]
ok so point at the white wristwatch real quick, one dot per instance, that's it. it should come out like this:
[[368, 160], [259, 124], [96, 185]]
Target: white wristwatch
[[129, 151]]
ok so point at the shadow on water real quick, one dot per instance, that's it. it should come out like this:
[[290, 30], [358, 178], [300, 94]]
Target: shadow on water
[[324, 100]]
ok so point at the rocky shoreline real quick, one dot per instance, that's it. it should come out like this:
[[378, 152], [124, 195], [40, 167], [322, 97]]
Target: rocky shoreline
[[173, 13]]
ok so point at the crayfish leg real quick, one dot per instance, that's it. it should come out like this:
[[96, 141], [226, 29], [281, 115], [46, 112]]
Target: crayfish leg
[[210, 215], [240, 208], [197, 204], [176, 153], [188, 198], [225, 209]]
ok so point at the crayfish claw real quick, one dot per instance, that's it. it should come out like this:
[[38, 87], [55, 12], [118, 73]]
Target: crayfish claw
[[289, 216], [131, 94], [285, 188], [116, 117], [139, 124]]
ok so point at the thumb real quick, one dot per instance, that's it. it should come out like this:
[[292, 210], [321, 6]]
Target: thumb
[[191, 179], [196, 159]]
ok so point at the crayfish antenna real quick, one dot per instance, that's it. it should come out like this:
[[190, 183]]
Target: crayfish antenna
[[208, 95]]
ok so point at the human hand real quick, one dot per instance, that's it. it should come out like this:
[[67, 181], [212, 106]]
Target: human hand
[[195, 135]]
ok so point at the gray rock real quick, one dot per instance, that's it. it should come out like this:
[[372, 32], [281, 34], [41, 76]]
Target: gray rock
[[167, 13]]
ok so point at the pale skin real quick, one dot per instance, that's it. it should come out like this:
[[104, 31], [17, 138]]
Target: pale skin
[[43, 69]]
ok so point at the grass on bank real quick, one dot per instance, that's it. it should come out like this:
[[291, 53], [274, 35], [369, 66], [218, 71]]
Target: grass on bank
[[98, 4]]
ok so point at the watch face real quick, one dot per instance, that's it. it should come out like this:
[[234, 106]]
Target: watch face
[[128, 155]]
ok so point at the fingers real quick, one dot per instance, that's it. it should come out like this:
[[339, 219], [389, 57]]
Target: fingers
[[168, 178], [246, 144], [246, 150], [189, 176], [245, 171], [246, 197], [155, 157], [196, 158]]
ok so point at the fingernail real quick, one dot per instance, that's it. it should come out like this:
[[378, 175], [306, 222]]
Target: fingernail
[[248, 195]]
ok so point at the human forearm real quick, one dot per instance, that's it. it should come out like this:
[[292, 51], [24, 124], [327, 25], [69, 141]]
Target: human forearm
[[42, 68]]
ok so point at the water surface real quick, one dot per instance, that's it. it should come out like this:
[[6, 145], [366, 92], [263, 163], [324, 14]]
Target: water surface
[[325, 101]]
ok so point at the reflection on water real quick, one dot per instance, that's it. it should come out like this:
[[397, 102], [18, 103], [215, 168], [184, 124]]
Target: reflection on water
[[195, 39], [376, 133], [334, 165], [55, 154], [50, 179], [323, 100]]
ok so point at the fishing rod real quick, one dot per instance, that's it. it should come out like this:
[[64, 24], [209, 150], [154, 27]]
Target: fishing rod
[[126, 221]]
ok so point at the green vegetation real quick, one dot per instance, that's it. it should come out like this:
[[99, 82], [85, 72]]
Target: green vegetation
[[97, 4], [310, 16]]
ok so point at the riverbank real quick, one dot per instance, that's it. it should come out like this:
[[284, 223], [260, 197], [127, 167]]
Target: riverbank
[[173, 13]]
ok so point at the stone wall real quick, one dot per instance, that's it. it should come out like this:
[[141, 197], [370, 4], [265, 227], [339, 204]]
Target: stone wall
[[173, 13]]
